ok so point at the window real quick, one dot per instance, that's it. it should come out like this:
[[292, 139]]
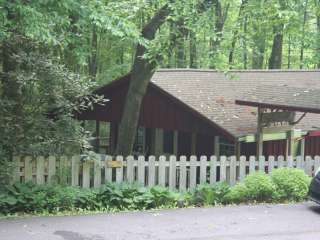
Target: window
[[226, 148], [138, 147], [168, 137]]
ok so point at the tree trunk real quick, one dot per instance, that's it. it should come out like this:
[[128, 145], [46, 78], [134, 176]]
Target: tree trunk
[[181, 30], [142, 71], [236, 32], [275, 60], [318, 33], [258, 49], [305, 15], [193, 50], [93, 61], [220, 18]]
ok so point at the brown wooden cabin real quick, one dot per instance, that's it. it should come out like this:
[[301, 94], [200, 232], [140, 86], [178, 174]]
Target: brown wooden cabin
[[193, 112]]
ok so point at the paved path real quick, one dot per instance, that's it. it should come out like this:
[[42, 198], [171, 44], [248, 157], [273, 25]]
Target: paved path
[[279, 222]]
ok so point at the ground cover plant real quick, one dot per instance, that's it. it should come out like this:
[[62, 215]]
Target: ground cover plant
[[282, 185]]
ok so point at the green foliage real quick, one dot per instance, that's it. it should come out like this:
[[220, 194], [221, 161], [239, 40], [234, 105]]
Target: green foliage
[[259, 187], [237, 194], [207, 194], [282, 185], [290, 184]]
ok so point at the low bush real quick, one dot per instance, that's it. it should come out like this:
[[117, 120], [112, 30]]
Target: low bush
[[259, 187], [290, 184], [282, 185], [237, 194], [206, 194]]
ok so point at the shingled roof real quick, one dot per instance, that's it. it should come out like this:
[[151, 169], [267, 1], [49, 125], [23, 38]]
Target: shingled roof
[[283, 97], [213, 94]]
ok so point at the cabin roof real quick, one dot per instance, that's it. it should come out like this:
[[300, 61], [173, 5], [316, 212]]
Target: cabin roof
[[286, 98], [213, 94]]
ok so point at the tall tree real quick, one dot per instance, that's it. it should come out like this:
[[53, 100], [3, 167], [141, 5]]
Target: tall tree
[[142, 71]]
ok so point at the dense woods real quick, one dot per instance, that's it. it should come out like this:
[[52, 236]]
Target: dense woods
[[55, 52]]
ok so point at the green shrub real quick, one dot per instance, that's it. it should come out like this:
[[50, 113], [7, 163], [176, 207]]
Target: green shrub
[[162, 196], [124, 196], [259, 187], [206, 194], [290, 184], [237, 194]]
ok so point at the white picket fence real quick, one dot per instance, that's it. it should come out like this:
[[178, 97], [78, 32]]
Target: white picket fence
[[183, 173]]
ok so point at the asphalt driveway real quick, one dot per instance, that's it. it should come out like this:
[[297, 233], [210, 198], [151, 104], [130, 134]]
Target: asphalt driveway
[[279, 222]]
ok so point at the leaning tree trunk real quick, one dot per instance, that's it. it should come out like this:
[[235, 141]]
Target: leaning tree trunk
[[275, 60], [142, 71]]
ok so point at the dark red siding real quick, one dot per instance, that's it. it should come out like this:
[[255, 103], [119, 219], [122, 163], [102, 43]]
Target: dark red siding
[[312, 146], [270, 148], [157, 111]]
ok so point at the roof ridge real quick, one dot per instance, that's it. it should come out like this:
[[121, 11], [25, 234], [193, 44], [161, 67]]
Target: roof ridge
[[234, 70]]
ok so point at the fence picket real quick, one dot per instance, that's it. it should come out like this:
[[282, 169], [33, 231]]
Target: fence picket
[[223, 168], [308, 166], [119, 170], [262, 162], [40, 170], [193, 172], [51, 169], [213, 169], [86, 174], [242, 168], [130, 169], [75, 165], [172, 172], [16, 165], [162, 171], [151, 171], [28, 176], [183, 173], [270, 164], [316, 163], [290, 162], [141, 170], [233, 170], [280, 161], [97, 171], [252, 164], [108, 169]]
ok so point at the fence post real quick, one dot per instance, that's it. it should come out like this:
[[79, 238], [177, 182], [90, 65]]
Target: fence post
[[299, 162], [233, 170], [213, 169], [193, 172], [151, 171], [172, 172], [183, 173], [75, 166]]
